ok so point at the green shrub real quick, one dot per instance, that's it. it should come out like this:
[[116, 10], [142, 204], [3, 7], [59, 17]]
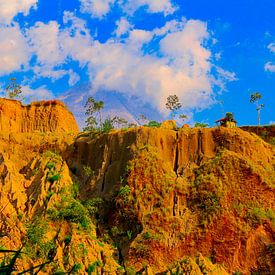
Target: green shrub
[[258, 215], [37, 246], [153, 124], [201, 125], [147, 235], [130, 270], [271, 250], [264, 135], [67, 239], [75, 189], [88, 172], [45, 248], [129, 234], [107, 125], [209, 203], [35, 171], [93, 205], [272, 141], [124, 192], [50, 165], [75, 268], [49, 195], [52, 155], [73, 212], [92, 268], [20, 216], [36, 232], [54, 178]]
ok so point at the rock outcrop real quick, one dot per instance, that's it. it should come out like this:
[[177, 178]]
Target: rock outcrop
[[146, 200], [183, 192], [266, 132], [43, 116]]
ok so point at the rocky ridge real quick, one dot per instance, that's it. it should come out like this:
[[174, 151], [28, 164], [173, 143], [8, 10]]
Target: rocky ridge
[[143, 200], [43, 116]]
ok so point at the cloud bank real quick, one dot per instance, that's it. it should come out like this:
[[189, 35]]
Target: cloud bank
[[270, 66], [14, 50], [10, 8], [174, 59], [100, 8]]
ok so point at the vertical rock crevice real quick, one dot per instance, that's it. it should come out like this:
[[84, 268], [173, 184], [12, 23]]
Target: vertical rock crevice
[[200, 152], [176, 159]]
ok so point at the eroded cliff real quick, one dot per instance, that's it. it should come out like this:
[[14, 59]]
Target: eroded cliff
[[147, 200], [43, 116], [176, 193]]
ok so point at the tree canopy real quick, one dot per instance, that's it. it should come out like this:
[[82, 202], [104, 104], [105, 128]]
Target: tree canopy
[[254, 98], [13, 89], [95, 122], [173, 104]]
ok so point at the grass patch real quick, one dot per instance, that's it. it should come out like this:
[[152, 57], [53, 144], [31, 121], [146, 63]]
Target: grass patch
[[257, 216], [93, 205], [37, 245], [72, 211]]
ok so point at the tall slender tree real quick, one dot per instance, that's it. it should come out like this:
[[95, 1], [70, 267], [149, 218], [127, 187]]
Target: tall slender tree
[[254, 98], [93, 110], [94, 121], [173, 104]]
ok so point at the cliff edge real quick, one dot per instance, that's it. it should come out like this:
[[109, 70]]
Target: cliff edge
[[42, 116], [135, 201]]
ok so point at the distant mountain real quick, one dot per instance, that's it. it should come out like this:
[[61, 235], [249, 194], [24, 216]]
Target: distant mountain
[[115, 104]]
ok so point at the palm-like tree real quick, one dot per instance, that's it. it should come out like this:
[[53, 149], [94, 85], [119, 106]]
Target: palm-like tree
[[254, 98]]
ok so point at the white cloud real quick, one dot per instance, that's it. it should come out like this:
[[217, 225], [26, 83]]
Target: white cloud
[[218, 56], [123, 27], [97, 8], [226, 75], [10, 8], [53, 47], [269, 67], [73, 78], [75, 40], [14, 51], [182, 66], [100, 8], [153, 64], [44, 41], [152, 6], [271, 47], [40, 93]]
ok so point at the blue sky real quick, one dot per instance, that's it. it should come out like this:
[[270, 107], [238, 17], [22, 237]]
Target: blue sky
[[206, 52]]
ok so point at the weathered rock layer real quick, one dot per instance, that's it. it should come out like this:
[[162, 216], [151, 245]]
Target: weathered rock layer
[[43, 116], [146, 200]]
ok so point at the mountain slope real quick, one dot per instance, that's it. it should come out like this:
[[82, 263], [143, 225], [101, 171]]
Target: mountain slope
[[208, 191], [146, 200], [115, 105]]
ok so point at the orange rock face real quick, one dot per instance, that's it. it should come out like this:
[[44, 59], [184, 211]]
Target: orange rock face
[[147, 200], [43, 116], [188, 191]]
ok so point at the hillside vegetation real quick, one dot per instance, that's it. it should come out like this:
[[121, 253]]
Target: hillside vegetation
[[144, 200]]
